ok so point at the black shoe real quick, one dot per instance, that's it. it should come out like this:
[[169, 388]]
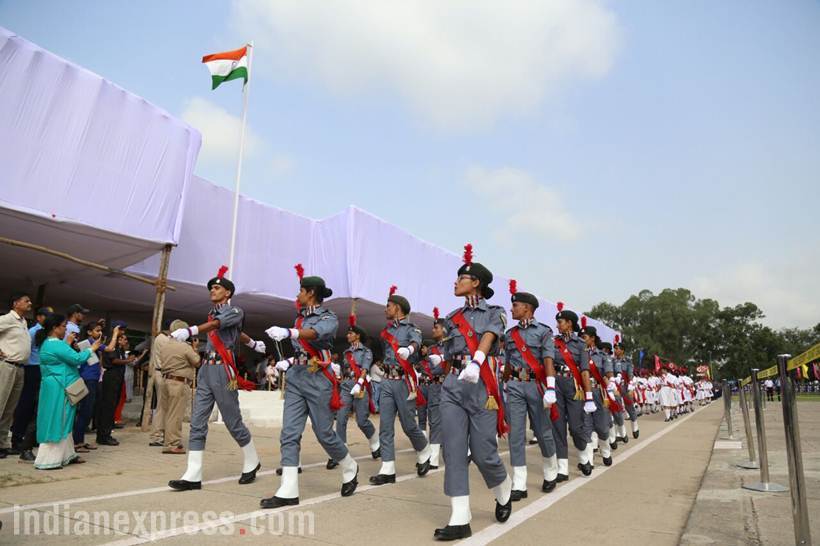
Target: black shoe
[[516, 496], [503, 511], [156, 444], [279, 471], [636, 434], [381, 479], [27, 456], [548, 486], [586, 469], [533, 442], [331, 464], [625, 439], [349, 487], [433, 467], [614, 445], [3, 454], [13, 450], [376, 454], [423, 468], [607, 461], [453, 532], [107, 441], [276, 502], [561, 478], [184, 485], [249, 477]]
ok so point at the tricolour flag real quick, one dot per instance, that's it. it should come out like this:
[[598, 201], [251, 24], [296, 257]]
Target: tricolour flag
[[229, 65]]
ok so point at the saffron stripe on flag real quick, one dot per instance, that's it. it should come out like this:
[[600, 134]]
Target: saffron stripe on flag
[[234, 55]]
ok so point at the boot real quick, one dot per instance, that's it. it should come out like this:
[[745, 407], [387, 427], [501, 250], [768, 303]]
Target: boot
[[563, 470], [459, 525], [503, 500], [250, 464], [519, 483], [288, 492], [423, 460], [375, 446], [387, 474], [435, 451], [350, 474], [550, 465], [192, 479]]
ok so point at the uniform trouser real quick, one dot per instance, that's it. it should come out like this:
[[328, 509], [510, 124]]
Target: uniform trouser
[[174, 396], [308, 394], [423, 411], [570, 413], [601, 417], [466, 423], [110, 392], [361, 406], [630, 410], [157, 427], [11, 386], [394, 400], [212, 388], [524, 399], [434, 412], [27, 405], [618, 418]]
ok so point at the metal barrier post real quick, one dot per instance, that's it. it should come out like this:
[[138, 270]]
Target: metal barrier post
[[751, 464], [797, 480], [764, 484], [727, 409], [763, 395]]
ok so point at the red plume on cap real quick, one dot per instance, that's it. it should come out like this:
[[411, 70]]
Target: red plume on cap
[[583, 321], [513, 286], [560, 306], [300, 271], [351, 319], [468, 254], [393, 289], [435, 313], [617, 339], [222, 270]]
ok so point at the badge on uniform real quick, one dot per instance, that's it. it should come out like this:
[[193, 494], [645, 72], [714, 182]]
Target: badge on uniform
[[470, 334]]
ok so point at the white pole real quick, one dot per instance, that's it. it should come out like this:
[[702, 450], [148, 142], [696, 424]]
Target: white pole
[[245, 92]]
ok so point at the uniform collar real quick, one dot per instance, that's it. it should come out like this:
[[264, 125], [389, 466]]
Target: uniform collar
[[310, 310], [526, 323], [219, 307], [396, 322], [569, 337], [355, 346], [475, 302]]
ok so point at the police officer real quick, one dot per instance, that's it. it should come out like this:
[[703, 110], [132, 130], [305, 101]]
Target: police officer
[[217, 382], [312, 390], [530, 385], [472, 413], [401, 341], [573, 394]]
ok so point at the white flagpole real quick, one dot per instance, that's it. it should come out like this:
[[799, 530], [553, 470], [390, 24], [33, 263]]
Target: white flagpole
[[245, 91]]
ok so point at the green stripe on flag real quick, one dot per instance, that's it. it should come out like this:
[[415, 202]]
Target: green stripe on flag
[[240, 72]]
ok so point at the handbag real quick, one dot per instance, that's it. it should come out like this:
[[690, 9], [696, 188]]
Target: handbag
[[76, 391]]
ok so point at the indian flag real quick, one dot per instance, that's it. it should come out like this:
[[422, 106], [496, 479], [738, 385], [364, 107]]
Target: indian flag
[[229, 65]]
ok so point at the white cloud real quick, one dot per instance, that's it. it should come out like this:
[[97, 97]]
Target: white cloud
[[521, 204], [220, 132], [786, 291], [461, 65]]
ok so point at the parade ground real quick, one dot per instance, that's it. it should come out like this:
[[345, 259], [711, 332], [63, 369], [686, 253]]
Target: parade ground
[[676, 484]]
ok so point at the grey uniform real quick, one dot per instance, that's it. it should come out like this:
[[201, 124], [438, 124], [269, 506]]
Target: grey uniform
[[602, 417], [570, 411], [433, 396], [466, 423], [364, 359], [212, 383], [394, 393], [610, 363], [308, 393], [624, 365], [524, 395]]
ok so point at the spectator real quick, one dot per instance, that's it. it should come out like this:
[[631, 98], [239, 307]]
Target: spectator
[[769, 385], [111, 389], [90, 372], [179, 362], [23, 432], [75, 315], [59, 365], [15, 348]]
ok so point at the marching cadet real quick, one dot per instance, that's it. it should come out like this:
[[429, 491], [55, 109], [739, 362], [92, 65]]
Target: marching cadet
[[627, 388], [433, 367], [217, 383], [356, 391], [472, 412], [401, 341], [601, 417], [424, 378], [573, 394], [312, 389], [530, 387], [667, 393], [613, 379]]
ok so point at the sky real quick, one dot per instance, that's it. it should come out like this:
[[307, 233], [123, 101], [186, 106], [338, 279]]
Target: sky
[[590, 149]]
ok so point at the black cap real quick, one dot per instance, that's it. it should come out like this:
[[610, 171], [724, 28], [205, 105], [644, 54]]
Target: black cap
[[358, 330], [44, 311], [224, 282], [401, 301], [606, 346], [76, 308], [121, 323], [525, 297], [484, 276], [590, 331], [571, 316], [316, 282]]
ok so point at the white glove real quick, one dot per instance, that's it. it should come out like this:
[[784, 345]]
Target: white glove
[[435, 360], [181, 334], [405, 352], [283, 365], [612, 386], [270, 371], [357, 388], [470, 373], [278, 334], [589, 405], [336, 368], [549, 397], [258, 346]]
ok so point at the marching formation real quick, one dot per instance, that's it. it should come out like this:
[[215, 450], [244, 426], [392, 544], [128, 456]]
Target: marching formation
[[479, 381]]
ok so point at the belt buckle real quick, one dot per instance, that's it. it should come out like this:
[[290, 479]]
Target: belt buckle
[[523, 375], [313, 365]]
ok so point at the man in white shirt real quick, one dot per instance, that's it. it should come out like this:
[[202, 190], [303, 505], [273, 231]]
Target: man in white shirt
[[15, 348], [769, 385]]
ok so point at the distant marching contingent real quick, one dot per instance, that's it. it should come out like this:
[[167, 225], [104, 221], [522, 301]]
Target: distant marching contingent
[[479, 381]]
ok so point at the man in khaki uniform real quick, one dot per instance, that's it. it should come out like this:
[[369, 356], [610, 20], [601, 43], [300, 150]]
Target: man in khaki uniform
[[157, 438], [178, 361], [15, 348]]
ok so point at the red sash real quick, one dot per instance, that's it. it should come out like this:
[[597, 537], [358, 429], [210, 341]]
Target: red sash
[[409, 372], [335, 397], [570, 362], [357, 372], [614, 407], [624, 388], [487, 373], [535, 365], [234, 379]]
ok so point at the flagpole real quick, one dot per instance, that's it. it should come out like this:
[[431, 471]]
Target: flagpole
[[245, 92]]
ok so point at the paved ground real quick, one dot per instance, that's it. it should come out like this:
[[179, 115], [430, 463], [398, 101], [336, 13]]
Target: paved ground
[[645, 496], [725, 513]]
